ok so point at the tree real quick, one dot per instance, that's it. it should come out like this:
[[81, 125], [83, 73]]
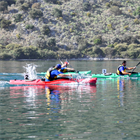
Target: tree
[[3, 6]]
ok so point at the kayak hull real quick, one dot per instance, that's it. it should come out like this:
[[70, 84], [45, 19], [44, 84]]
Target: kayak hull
[[55, 82], [114, 75]]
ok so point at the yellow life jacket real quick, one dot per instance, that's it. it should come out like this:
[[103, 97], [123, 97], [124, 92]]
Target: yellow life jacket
[[119, 72], [48, 74]]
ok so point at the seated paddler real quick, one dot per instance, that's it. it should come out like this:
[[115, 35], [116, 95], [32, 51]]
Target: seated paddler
[[65, 68], [121, 70], [54, 72]]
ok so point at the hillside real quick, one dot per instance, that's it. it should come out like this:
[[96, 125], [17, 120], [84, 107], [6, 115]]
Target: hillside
[[69, 29]]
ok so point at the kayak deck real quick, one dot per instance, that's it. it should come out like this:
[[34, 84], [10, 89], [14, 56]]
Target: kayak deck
[[114, 75]]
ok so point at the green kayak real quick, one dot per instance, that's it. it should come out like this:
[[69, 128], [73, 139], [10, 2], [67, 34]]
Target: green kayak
[[114, 75], [79, 72]]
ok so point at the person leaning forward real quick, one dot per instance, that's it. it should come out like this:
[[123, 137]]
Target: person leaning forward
[[53, 72], [121, 70], [64, 68]]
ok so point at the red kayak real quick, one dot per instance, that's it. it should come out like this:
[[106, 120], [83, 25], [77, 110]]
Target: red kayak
[[55, 82]]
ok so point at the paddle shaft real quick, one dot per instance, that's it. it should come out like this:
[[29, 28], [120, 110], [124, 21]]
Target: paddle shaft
[[135, 67]]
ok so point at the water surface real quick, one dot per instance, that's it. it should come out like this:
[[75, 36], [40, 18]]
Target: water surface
[[109, 110]]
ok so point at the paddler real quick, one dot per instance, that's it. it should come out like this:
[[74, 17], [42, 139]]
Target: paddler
[[121, 70], [65, 68], [53, 72]]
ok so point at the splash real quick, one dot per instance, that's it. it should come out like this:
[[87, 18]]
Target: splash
[[30, 73]]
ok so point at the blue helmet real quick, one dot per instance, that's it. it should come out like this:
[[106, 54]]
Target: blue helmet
[[58, 66]]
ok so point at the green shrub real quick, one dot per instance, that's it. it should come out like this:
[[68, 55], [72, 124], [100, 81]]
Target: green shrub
[[82, 44], [19, 2], [107, 4], [57, 13], [29, 26], [12, 46], [132, 47], [30, 52], [97, 41], [73, 14], [5, 23], [86, 6], [35, 13], [45, 30], [115, 10], [17, 17], [24, 7], [121, 47], [109, 26], [2, 46], [88, 14], [111, 46], [10, 2], [36, 5], [137, 11], [51, 43], [110, 51], [40, 43], [5, 56], [52, 1], [3, 5], [136, 21], [98, 51], [18, 53]]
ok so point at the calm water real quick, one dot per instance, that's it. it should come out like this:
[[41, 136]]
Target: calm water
[[110, 110]]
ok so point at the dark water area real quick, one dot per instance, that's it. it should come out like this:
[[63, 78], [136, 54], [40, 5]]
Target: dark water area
[[109, 110]]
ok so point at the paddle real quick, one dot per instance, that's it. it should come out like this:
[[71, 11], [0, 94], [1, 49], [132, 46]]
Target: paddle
[[135, 67]]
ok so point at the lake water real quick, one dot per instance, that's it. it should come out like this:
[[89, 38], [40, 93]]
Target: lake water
[[109, 110]]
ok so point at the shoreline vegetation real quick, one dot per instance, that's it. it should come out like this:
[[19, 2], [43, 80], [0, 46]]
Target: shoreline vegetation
[[69, 29]]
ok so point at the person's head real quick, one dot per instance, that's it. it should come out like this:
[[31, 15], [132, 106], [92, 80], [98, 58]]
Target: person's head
[[58, 66], [65, 64], [124, 63]]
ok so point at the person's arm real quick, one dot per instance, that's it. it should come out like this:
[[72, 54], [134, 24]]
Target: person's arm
[[123, 72], [70, 69], [130, 68], [64, 75]]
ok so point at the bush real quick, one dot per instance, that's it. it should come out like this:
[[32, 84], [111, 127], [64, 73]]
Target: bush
[[126, 27], [115, 10], [5, 23], [136, 21], [18, 36], [51, 1], [111, 46], [36, 5], [30, 52], [107, 5], [40, 43], [86, 6], [29, 26], [72, 14], [121, 47], [51, 43], [137, 11], [98, 51], [132, 47], [5, 56], [12, 46], [97, 41], [82, 44], [18, 53], [45, 30], [57, 13], [19, 2], [109, 26], [129, 40], [88, 14], [17, 17], [110, 52], [3, 5], [24, 7], [35, 13]]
